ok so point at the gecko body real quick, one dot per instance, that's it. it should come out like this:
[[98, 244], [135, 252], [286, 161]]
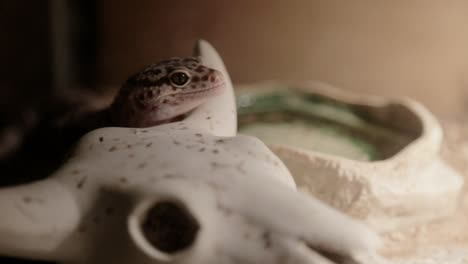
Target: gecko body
[[160, 93], [164, 91]]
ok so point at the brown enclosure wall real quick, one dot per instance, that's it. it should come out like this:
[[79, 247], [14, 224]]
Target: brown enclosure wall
[[24, 54], [417, 48]]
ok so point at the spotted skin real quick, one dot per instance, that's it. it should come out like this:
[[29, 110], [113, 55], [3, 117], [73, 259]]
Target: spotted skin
[[164, 91]]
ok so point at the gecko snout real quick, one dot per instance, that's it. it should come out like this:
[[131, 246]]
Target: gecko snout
[[216, 78]]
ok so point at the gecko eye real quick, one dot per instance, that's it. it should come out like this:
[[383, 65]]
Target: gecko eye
[[179, 78]]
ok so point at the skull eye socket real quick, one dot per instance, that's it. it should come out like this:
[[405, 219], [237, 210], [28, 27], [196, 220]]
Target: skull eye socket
[[179, 78], [169, 227]]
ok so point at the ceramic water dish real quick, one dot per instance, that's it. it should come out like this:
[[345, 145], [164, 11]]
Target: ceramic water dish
[[374, 158]]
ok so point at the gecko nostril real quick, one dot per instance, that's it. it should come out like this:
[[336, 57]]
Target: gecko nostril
[[212, 78]]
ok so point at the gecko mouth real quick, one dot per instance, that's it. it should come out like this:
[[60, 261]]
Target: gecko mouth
[[193, 93], [190, 93], [178, 98]]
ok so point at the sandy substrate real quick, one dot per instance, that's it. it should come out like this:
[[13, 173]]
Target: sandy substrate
[[441, 241]]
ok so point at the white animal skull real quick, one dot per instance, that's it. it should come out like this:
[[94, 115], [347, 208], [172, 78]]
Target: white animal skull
[[185, 192]]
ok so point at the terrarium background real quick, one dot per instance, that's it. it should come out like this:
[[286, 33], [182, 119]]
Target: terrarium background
[[415, 48]]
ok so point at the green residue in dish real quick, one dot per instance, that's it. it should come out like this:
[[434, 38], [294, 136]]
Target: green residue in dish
[[312, 122], [313, 135]]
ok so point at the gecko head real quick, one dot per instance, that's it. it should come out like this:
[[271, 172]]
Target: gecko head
[[164, 91]]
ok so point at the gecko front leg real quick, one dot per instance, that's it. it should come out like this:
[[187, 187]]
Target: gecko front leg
[[164, 91]]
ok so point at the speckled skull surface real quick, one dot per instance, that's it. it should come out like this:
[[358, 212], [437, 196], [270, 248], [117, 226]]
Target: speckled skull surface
[[230, 195]]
